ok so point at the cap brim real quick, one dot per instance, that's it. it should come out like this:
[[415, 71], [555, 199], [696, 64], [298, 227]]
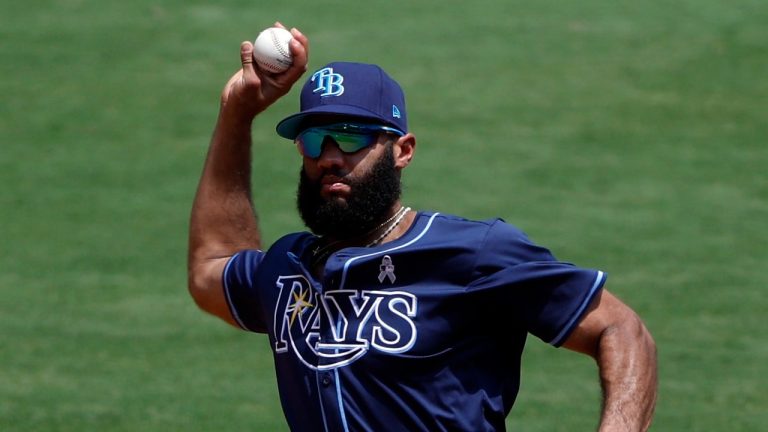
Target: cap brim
[[290, 126]]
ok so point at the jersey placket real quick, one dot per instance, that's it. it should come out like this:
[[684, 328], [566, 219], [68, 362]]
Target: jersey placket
[[327, 376]]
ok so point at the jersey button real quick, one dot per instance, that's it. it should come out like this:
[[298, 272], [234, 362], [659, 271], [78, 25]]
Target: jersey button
[[326, 380]]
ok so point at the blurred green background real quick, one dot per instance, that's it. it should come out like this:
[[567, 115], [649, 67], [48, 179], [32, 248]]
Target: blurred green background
[[628, 136]]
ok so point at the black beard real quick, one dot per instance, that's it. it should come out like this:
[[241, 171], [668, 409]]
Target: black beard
[[368, 204]]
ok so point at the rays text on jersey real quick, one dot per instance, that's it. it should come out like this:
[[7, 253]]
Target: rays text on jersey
[[335, 328]]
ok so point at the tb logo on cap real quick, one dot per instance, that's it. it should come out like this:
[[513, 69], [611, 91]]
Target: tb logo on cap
[[328, 82]]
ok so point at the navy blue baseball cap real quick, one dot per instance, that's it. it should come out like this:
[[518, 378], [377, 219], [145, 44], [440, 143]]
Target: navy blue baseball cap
[[350, 91]]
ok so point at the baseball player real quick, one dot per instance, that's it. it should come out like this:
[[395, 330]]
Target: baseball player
[[384, 317]]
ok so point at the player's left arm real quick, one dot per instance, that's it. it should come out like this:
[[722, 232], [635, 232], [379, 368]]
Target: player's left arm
[[615, 336]]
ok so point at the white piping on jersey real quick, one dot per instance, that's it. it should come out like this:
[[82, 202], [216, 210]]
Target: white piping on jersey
[[437, 354], [342, 413], [598, 281], [341, 286], [414, 240]]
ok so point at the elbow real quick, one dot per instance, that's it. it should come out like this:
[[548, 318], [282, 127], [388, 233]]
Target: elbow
[[205, 287], [200, 278], [204, 290], [644, 338], [199, 287], [629, 342], [196, 290], [636, 338]]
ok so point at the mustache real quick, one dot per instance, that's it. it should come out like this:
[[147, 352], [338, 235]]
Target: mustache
[[329, 176], [333, 178]]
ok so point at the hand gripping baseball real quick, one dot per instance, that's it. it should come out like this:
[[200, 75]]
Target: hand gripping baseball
[[251, 90]]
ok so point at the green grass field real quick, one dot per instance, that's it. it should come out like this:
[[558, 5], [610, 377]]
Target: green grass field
[[629, 136]]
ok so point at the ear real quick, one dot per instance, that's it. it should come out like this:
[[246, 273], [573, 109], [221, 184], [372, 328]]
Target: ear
[[404, 149]]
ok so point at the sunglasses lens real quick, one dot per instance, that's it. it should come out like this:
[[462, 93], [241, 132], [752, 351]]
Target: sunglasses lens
[[311, 141], [350, 143]]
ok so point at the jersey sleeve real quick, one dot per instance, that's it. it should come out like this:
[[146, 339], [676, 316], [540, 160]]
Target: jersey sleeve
[[545, 296], [240, 291]]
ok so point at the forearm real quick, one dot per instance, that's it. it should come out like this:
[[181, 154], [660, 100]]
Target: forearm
[[627, 360], [223, 220]]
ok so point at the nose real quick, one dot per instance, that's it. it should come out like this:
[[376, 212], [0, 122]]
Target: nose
[[331, 155]]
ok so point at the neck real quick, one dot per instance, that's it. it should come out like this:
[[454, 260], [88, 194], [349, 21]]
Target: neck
[[389, 225], [371, 238]]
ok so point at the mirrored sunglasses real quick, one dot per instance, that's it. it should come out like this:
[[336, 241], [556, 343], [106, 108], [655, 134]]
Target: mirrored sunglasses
[[350, 137]]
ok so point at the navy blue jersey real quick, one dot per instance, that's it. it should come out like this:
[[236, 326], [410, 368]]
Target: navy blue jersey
[[424, 333]]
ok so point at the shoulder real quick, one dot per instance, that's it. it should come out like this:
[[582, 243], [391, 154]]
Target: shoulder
[[494, 241], [461, 228], [288, 248], [247, 266], [293, 242]]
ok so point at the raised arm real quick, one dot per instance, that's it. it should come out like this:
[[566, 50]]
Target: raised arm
[[625, 353], [223, 220]]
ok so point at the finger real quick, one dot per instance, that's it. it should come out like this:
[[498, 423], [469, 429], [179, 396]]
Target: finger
[[303, 40], [246, 59], [299, 47]]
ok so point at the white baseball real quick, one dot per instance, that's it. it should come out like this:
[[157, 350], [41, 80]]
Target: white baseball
[[270, 50]]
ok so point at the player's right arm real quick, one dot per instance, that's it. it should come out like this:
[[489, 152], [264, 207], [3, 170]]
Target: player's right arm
[[223, 220]]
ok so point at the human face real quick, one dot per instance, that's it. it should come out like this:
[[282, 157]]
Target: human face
[[346, 195], [334, 167]]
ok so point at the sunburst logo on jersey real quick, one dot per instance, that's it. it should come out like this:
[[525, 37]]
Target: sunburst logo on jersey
[[299, 304]]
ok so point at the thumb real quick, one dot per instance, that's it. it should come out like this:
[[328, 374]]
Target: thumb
[[246, 58]]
